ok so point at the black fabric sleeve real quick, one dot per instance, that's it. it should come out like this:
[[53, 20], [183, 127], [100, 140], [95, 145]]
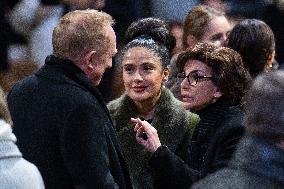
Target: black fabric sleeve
[[85, 150], [170, 171], [227, 143]]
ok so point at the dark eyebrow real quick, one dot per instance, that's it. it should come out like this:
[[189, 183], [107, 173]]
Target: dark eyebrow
[[194, 71], [148, 63], [217, 35], [128, 65]]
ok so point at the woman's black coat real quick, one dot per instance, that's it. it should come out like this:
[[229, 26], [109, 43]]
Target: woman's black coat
[[213, 144]]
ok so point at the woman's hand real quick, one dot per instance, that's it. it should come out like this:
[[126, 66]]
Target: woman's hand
[[152, 143]]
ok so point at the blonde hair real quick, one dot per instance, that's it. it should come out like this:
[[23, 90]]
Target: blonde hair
[[4, 111], [79, 32], [196, 21]]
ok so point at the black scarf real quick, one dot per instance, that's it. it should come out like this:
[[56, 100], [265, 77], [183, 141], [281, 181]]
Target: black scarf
[[210, 119]]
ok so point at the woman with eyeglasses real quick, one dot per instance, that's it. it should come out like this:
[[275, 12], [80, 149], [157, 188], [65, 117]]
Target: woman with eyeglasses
[[214, 82], [201, 24]]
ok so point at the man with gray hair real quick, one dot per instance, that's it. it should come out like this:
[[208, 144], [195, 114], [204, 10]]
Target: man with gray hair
[[60, 118]]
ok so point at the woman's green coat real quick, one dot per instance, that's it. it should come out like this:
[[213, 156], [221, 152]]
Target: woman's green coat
[[174, 124]]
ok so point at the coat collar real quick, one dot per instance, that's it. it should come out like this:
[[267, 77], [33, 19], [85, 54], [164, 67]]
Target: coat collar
[[7, 142], [215, 111], [6, 132], [64, 70], [211, 119], [262, 157]]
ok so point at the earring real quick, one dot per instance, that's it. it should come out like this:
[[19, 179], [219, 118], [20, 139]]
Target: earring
[[166, 79], [215, 96]]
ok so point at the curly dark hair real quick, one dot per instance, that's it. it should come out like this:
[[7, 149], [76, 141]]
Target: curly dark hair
[[229, 73], [153, 34], [255, 42]]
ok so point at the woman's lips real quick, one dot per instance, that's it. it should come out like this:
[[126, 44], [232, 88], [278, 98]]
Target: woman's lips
[[186, 98], [139, 88]]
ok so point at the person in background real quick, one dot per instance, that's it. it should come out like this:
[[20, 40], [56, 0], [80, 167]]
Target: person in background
[[259, 159], [214, 82], [176, 29], [15, 72], [8, 35], [202, 24], [254, 41], [205, 24], [15, 172], [220, 5], [36, 19], [144, 61], [271, 12], [171, 83], [59, 116], [171, 10]]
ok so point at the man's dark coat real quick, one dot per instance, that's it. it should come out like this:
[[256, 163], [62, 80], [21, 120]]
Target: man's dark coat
[[64, 128]]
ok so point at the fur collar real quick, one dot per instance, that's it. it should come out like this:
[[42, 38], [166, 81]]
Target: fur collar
[[171, 120]]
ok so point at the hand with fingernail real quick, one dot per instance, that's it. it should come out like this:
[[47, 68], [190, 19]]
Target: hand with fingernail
[[146, 135]]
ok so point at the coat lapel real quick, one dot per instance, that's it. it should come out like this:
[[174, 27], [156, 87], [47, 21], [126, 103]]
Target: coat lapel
[[64, 70]]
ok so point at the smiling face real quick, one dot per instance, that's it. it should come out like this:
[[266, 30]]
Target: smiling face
[[204, 92], [217, 30], [142, 74]]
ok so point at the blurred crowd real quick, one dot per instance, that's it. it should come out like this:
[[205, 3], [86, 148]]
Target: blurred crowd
[[26, 26], [142, 94]]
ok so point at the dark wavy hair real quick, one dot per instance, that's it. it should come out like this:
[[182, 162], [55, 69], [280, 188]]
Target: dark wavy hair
[[229, 73], [264, 112], [255, 42], [153, 34]]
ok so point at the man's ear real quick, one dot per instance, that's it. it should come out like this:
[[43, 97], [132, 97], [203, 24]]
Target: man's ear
[[166, 73], [86, 63], [90, 56], [191, 40]]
